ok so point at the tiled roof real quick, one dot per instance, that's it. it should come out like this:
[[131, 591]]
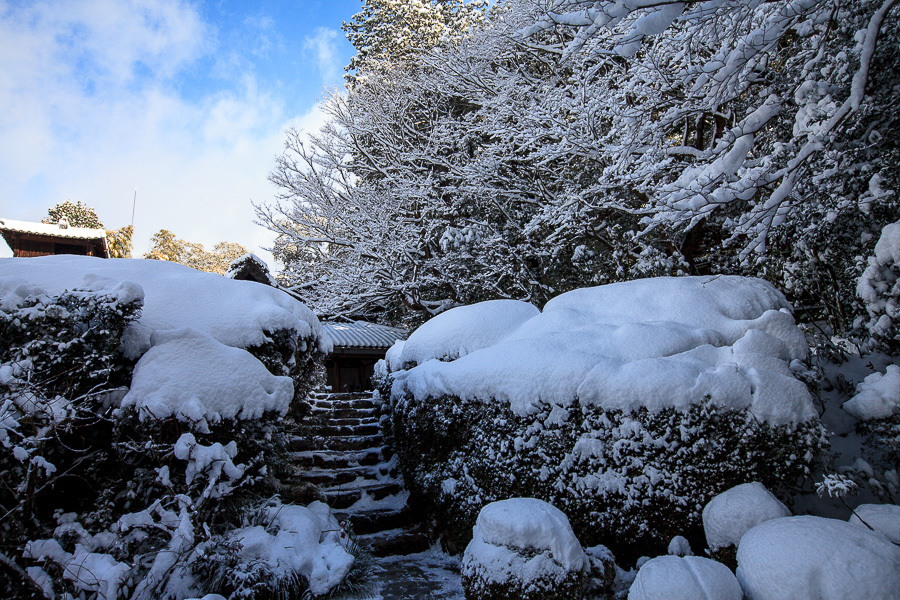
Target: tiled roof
[[360, 334], [79, 233]]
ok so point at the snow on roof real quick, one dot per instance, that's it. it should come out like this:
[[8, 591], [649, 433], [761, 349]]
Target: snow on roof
[[54, 230], [657, 343], [359, 334]]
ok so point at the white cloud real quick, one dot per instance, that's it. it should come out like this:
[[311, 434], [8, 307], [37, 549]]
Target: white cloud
[[324, 44], [89, 111]]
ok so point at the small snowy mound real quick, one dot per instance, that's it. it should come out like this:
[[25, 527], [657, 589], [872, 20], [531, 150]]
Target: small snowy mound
[[883, 518], [652, 343], [298, 540], [734, 512], [877, 396], [812, 558], [523, 548], [465, 329], [684, 578], [189, 375]]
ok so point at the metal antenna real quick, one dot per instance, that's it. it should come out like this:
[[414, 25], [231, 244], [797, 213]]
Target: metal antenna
[[133, 205]]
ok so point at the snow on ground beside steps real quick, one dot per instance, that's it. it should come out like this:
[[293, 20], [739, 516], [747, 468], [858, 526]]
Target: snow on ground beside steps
[[654, 343]]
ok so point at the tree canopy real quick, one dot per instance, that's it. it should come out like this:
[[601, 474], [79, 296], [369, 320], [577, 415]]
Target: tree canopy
[[165, 246], [565, 143]]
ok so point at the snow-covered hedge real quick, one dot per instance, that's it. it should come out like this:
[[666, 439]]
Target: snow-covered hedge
[[143, 408], [627, 406]]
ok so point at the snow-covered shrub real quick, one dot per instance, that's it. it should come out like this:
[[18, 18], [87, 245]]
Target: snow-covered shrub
[[883, 518], [143, 408], [733, 513], [523, 549], [812, 558], [877, 406], [280, 552], [879, 289], [684, 578], [628, 406]]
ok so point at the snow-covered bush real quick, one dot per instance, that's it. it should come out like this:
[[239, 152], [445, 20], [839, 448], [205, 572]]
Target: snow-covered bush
[[733, 513], [684, 578], [143, 408], [879, 289], [523, 549], [877, 406], [883, 518], [812, 558], [628, 406]]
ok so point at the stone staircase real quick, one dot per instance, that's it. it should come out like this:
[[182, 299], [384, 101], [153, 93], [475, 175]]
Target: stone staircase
[[341, 451]]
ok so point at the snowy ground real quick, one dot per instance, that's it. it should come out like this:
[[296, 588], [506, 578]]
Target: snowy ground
[[430, 574]]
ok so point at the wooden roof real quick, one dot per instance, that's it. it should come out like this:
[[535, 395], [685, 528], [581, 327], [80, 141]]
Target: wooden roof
[[27, 238]]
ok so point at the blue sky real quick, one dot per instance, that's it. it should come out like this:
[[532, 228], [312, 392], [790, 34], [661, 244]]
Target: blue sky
[[185, 101]]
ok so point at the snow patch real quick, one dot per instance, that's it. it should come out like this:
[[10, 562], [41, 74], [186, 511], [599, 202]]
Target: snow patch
[[654, 343], [813, 558], [735, 511], [190, 375], [684, 578]]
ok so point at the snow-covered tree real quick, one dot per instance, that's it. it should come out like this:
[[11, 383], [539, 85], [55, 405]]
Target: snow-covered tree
[[568, 143], [391, 31], [77, 214], [120, 242], [165, 246]]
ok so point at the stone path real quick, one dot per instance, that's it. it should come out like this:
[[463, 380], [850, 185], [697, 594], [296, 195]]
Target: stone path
[[342, 452], [429, 575]]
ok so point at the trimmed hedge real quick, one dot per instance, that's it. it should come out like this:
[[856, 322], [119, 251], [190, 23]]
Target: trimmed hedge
[[628, 481]]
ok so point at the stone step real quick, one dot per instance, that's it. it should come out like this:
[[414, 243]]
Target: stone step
[[394, 542], [359, 403], [339, 430], [346, 496], [342, 442], [344, 413], [374, 521], [337, 459], [332, 477]]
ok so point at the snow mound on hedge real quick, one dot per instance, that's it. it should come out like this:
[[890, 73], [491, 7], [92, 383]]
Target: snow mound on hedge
[[684, 578], [236, 313], [304, 540], [529, 523], [877, 396], [191, 376], [191, 337], [734, 512], [812, 558], [654, 343], [883, 518], [463, 330]]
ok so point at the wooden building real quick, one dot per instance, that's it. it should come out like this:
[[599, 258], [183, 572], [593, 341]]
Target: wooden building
[[41, 239], [357, 347]]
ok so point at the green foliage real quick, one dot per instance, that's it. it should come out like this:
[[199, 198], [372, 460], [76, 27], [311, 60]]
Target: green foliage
[[628, 481], [78, 215], [387, 32], [165, 246], [119, 241]]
